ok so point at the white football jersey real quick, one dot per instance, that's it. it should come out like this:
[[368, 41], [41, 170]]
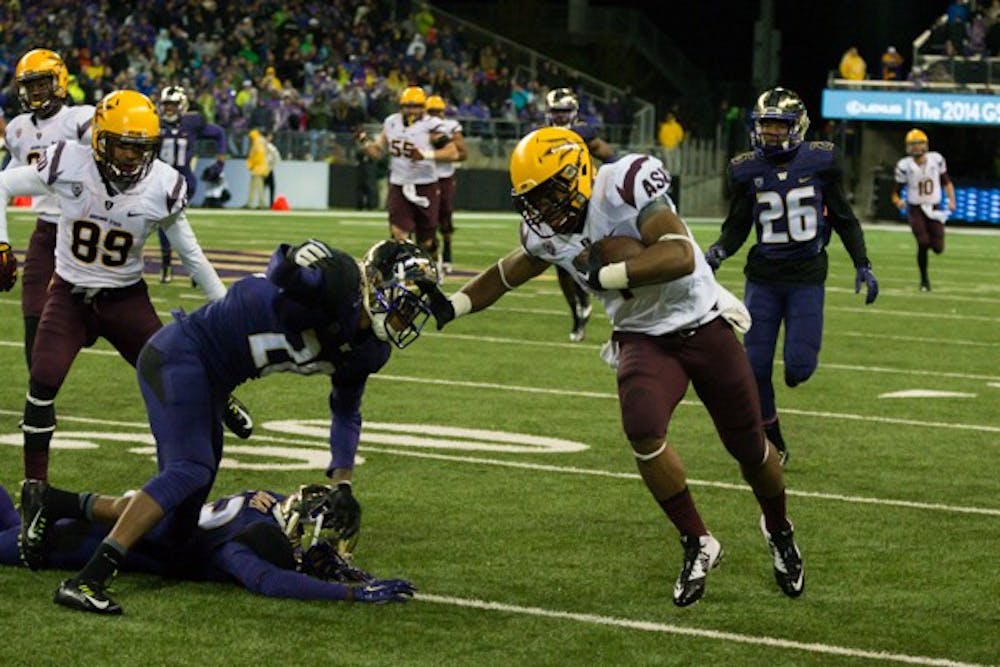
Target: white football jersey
[[101, 234], [28, 136], [622, 189], [449, 127], [923, 181], [400, 139]]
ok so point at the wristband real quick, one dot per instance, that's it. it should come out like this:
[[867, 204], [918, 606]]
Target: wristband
[[462, 304], [613, 276]]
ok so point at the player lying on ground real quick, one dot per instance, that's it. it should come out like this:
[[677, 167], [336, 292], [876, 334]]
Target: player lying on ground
[[269, 543]]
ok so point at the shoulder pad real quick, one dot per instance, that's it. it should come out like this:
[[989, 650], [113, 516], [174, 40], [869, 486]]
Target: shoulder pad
[[742, 157], [821, 146], [637, 180]]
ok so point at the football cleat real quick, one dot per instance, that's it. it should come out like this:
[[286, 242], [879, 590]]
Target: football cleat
[[580, 318], [701, 554], [788, 570], [33, 537], [86, 596], [166, 274], [925, 286], [238, 419]]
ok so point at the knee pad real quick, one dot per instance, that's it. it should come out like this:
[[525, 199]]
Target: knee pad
[[178, 481], [800, 364]]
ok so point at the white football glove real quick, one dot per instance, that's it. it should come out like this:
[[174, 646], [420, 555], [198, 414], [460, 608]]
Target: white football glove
[[310, 252]]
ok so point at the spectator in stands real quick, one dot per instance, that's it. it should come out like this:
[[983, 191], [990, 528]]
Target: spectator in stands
[[670, 133], [892, 65], [852, 65]]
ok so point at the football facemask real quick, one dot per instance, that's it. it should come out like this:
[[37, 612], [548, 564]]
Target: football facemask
[[778, 104], [394, 302], [306, 516], [126, 137], [42, 79], [173, 103], [551, 181]]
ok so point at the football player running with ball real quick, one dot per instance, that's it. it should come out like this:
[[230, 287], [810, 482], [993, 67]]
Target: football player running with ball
[[790, 192], [673, 325]]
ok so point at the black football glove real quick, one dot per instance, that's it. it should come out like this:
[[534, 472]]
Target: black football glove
[[8, 268], [440, 305], [594, 265], [346, 511], [714, 256]]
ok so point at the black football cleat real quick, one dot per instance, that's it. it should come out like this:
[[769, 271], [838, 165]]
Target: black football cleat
[[925, 285], [84, 596], [32, 539], [238, 419], [701, 554], [788, 571]]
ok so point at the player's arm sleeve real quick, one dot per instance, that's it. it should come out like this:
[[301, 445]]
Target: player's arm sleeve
[[182, 238], [213, 131], [345, 424], [301, 283], [739, 220], [844, 222], [261, 577], [26, 180]]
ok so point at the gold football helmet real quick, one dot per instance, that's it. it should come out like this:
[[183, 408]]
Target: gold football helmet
[[126, 137], [436, 105], [916, 142], [42, 79], [551, 175], [411, 102]]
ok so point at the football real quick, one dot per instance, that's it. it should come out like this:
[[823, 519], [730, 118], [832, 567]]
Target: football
[[616, 248]]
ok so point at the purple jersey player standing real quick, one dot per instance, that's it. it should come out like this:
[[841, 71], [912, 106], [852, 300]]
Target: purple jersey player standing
[[315, 311], [791, 193], [180, 131]]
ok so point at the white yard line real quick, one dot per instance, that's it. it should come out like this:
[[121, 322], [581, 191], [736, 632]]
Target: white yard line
[[572, 470], [715, 635]]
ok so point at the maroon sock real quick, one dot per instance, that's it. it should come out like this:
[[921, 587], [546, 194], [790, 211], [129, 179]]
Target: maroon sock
[[775, 518], [684, 515], [36, 465]]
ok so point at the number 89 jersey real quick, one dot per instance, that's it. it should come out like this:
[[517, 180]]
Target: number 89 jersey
[[787, 200], [101, 234]]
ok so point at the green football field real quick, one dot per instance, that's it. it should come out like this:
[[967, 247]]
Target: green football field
[[495, 476]]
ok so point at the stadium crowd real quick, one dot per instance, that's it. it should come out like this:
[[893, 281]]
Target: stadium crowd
[[296, 65]]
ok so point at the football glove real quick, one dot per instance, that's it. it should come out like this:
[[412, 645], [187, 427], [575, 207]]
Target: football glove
[[8, 268], [594, 265], [310, 252], [380, 591], [440, 305], [714, 256], [323, 562], [346, 511], [864, 274]]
